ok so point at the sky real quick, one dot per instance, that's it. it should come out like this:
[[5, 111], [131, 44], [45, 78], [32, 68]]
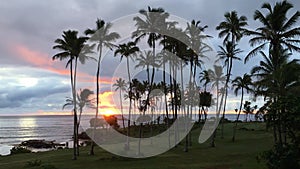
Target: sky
[[32, 84]]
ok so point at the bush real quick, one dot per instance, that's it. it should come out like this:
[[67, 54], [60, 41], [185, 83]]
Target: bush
[[282, 157], [19, 150], [34, 163]]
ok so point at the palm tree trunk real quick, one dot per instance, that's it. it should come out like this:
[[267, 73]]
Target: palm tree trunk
[[238, 116], [226, 95], [130, 104], [74, 112], [97, 100], [77, 130], [122, 109], [75, 105]]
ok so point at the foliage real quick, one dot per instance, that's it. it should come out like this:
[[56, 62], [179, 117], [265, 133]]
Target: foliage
[[33, 163], [205, 99], [282, 157]]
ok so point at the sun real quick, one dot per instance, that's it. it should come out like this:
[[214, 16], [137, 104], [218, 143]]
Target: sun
[[108, 112]]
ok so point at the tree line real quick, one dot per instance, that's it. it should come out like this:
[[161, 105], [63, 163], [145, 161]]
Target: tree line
[[276, 78]]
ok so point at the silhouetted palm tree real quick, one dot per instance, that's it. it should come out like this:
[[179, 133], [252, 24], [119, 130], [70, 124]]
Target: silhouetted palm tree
[[121, 86], [102, 37], [277, 30], [228, 54], [205, 97], [146, 59], [240, 83], [128, 50], [233, 27], [83, 100], [233, 30], [248, 110], [217, 78], [151, 25], [71, 46], [204, 77]]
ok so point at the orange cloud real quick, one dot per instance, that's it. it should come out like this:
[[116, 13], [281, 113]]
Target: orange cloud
[[39, 59], [34, 57], [106, 99]]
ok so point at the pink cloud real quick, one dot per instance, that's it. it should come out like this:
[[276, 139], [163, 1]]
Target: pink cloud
[[39, 59], [33, 57]]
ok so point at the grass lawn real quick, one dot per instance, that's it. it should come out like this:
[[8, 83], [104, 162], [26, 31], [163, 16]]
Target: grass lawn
[[226, 155]]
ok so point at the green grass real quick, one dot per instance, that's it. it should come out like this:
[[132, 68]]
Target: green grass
[[226, 155]]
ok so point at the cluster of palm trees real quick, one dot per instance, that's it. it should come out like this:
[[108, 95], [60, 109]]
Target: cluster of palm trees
[[276, 78]]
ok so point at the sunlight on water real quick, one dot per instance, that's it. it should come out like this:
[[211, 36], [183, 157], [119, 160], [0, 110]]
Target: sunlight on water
[[27, 122]]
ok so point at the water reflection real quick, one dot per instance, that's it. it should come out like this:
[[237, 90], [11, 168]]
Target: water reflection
[[27, 126]]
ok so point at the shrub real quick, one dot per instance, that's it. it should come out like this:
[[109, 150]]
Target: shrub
[[34, 163], [282, 157]]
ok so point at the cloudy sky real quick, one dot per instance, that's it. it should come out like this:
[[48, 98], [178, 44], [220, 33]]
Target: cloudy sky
[[32, 84]]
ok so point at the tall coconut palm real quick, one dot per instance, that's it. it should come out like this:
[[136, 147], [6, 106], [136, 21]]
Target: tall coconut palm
[[228, 54], [217, 78], [121, 86], [233, 30], [198, 47], [278, 30], [128, 50], [101, 37], [240, 83], [70, 46]]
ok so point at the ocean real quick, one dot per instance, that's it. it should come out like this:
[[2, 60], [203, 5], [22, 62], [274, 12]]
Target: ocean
[[15, 129]]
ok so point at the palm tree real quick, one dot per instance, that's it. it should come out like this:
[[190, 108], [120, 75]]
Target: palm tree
[[102, 37], [195, 53], [155, 21], [205, 97], [240, 83], [70, 46], [228, 54], [195, 37], [217, 78], [276, 77], [121, 86], [232, 27], [83, 100], [248, 110], [204, 77], [128, 50], [146, 59], [277, 30]]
